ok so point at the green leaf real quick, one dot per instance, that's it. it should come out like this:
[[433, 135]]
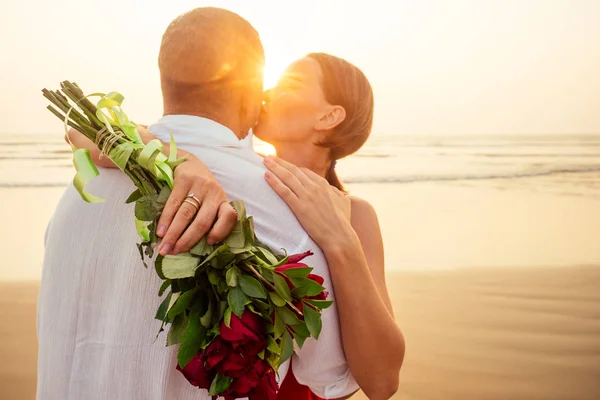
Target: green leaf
[[288, 316], [164, 287], [279, 326], [141, 228], [272, 345], [300, 339], [298, 272], [222, 307], [273, 360], [301, 329], [191, 341], [177, 330], [282, 287], [322, 304], [215, 253], [163, 196], [249, 231], [206, 319], [267, 274], [182, 265], [236, 300], [182, 303], [148, 155], [133, 196], [305, 287], [252, 287], [120, 154], [173, 160], [161, 313], [268, 256], [240, 209], [86, 170], [219, 384], [202, 248], [287, 347], [227, 317], [237, 238], [232, 277], [265, 308], [276, 299], [282, 261], [158, 266], [147, 208], [214, 277], [313, 321]]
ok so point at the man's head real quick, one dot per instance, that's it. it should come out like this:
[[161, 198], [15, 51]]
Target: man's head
[[211, 65]]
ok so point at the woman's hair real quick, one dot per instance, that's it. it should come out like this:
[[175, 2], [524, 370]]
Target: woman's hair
[[345, 85]]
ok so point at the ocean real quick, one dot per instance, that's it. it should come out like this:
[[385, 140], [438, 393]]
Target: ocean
[[443, 202], [569, 163]]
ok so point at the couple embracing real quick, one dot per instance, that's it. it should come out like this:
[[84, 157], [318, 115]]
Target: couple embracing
[[96, 335]]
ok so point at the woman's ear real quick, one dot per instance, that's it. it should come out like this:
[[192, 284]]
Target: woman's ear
[[333, 116]]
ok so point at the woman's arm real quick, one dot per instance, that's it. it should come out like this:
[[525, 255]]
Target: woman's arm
[[181, 226], [373, 343]]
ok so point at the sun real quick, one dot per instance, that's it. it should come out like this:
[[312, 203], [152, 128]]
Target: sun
[[274, 67]]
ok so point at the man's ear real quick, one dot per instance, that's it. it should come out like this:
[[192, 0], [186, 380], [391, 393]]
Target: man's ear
[[333, 116]]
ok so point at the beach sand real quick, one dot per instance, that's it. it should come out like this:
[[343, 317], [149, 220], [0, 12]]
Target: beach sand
[[497, 291]]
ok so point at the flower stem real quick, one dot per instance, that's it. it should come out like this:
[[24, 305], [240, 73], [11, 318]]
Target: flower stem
[[262, 278]]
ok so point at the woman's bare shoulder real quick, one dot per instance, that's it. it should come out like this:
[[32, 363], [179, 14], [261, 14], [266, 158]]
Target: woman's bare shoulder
[[362, 210]]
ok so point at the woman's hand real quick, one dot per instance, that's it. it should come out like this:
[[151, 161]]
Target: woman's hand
[[323, 210], [181, 225]]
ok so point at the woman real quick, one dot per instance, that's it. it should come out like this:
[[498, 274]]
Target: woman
[[321, 111]]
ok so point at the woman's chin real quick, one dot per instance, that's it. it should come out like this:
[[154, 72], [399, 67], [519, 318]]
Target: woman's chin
[[262, 134]]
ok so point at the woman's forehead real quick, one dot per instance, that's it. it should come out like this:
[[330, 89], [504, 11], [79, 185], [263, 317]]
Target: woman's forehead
[[305, 69]]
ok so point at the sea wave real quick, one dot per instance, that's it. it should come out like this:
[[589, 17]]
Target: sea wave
[[441, 178], [382, 179]]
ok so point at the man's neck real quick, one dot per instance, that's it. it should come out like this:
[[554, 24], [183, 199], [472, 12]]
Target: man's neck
[[230, 121]]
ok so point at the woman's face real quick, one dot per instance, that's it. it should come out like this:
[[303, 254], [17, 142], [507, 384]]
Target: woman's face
[[293, 107]]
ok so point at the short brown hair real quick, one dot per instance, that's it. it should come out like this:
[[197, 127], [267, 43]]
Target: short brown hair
[[207, 51]]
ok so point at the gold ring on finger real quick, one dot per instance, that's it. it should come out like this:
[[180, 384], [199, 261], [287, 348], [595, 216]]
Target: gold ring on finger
[[196, 206], [192, 195]]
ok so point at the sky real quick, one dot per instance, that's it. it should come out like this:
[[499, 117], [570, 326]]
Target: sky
[[442, 67]]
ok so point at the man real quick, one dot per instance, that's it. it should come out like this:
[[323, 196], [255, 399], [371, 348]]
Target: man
[[95, 326]]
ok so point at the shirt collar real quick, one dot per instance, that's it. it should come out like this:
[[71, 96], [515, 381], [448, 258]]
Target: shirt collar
[[193, 130]]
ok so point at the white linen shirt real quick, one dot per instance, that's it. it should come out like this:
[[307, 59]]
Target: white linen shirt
[[96, 326]]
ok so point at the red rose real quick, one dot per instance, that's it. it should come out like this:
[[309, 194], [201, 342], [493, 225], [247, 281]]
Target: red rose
[[248, 328], [296, 258], [196, 373], [216, 351], [266, 388], [317, 278]]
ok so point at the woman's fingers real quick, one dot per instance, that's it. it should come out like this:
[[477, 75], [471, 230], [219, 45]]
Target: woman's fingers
[[288, 174], [282, 190], [226, 221], [197, 229], [176, 198], [184, 216]]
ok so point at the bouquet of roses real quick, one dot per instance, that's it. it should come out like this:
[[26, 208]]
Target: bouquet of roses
[[234, 308]]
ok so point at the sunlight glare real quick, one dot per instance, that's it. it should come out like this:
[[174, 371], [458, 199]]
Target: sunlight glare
[[274, 67]]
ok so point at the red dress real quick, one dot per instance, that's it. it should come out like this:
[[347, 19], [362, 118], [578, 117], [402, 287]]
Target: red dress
[[290, 389]]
